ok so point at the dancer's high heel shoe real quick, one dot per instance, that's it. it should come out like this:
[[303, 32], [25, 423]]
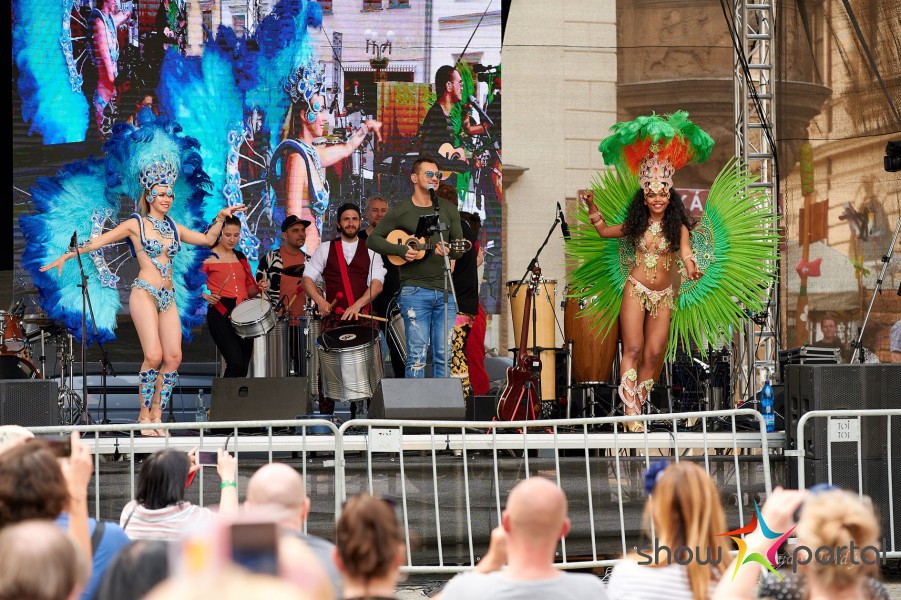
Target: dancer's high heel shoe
[[148, 432], [631, 399]]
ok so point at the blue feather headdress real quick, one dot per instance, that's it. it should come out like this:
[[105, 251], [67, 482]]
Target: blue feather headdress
[[87, 195]]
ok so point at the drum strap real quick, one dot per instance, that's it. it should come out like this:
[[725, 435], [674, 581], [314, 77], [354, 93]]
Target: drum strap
[[342, 265]]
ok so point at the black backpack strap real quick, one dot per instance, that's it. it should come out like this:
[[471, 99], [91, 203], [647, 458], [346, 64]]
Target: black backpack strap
[[97, 536]]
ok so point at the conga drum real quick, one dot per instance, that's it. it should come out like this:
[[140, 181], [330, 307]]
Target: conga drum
[[592, 354], [543, 335]]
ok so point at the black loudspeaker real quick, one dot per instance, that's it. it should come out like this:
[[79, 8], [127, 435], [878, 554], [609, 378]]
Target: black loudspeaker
[[29, 402], [481, 408], [258, 398], [842, 387], [418, 399]]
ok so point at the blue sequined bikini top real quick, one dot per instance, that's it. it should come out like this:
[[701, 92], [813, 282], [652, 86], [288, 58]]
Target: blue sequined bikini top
[[152, 247]]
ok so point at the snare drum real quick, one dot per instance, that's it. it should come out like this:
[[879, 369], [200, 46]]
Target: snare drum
[[253, 318], [351, 360]]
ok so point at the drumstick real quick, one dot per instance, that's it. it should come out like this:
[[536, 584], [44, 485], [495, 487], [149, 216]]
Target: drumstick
[[341, 311], [222, 287], [294, 297], [262, 294]]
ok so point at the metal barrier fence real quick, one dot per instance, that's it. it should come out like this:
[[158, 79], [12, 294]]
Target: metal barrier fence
[[864, 460], [125, 440], [450, 479], [449, 506]]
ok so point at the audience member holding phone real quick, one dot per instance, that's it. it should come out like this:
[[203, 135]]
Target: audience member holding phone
[[833, 519], [48, 479], [160, 509]]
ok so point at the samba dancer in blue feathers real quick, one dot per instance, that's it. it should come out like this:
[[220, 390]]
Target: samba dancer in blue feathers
[[155, 239]]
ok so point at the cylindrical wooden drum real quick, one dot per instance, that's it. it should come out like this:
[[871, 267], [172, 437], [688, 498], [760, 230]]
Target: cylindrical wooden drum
[[543, 334]]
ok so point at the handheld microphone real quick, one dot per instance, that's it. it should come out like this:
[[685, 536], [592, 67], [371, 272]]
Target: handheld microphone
[[482, 113], [73, 243], [563, 225], [434, 197]]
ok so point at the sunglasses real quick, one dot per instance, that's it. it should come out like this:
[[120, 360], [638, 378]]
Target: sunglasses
[[430, 174]]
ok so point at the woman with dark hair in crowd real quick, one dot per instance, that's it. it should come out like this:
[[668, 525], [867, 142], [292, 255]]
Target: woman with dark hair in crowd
[[136, 570], [684, 510], [230, 282], [159, 509], [369, 549]]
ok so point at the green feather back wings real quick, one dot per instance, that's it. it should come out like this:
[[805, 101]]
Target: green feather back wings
[[733, 243], [601, 265], [736, 244]]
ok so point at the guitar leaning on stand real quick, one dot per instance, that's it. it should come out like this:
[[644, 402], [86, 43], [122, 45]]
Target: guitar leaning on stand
[[520, 399]]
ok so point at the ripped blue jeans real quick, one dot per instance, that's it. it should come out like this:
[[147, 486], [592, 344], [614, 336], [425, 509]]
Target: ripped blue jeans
[[423, 313]]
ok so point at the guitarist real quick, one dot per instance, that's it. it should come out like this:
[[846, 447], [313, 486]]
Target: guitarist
[[436, 132], [421, 297]]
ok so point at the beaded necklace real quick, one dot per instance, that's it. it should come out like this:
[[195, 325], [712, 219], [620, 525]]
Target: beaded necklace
[[653, 251]]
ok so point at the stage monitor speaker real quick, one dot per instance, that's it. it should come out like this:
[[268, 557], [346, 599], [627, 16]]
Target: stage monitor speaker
[[29, 402], [258, 398], [481, 408], [438, 399], [838, 387]]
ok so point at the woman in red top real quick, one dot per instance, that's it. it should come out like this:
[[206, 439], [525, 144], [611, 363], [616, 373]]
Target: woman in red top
[[230, 282]]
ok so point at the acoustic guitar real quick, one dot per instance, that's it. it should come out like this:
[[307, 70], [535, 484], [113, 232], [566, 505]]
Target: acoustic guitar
[[421, 245], [520, 400]]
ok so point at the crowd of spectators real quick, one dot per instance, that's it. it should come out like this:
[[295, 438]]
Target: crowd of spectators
[[165, 547]]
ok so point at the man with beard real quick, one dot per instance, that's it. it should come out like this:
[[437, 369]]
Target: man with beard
[[285, 289], [352, 276], [376, 208]]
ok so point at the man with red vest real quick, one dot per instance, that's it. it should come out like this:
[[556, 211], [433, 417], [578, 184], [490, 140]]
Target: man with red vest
[[344, 265]]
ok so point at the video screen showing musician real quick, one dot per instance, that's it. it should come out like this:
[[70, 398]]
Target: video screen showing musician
[[230, 282], [436, 132], [830, 339], [283, 269], [376, 209], [421, 299], [352, 278]]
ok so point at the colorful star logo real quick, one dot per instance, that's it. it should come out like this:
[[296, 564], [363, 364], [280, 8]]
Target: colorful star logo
[[768, 561]]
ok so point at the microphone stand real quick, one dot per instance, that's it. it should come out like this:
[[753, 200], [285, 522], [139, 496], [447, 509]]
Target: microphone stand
[[87, 305], [529, 269], [440, 228]]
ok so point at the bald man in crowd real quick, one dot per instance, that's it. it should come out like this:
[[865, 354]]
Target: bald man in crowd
[[531, 526], [277, 489]]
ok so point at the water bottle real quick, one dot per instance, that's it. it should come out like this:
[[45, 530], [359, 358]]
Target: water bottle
[[201, 415], [766, 404]]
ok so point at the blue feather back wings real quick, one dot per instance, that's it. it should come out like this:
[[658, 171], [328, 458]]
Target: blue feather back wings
[[62, 204]]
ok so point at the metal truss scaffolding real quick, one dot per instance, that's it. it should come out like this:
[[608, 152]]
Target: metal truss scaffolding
[[756, 346]]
